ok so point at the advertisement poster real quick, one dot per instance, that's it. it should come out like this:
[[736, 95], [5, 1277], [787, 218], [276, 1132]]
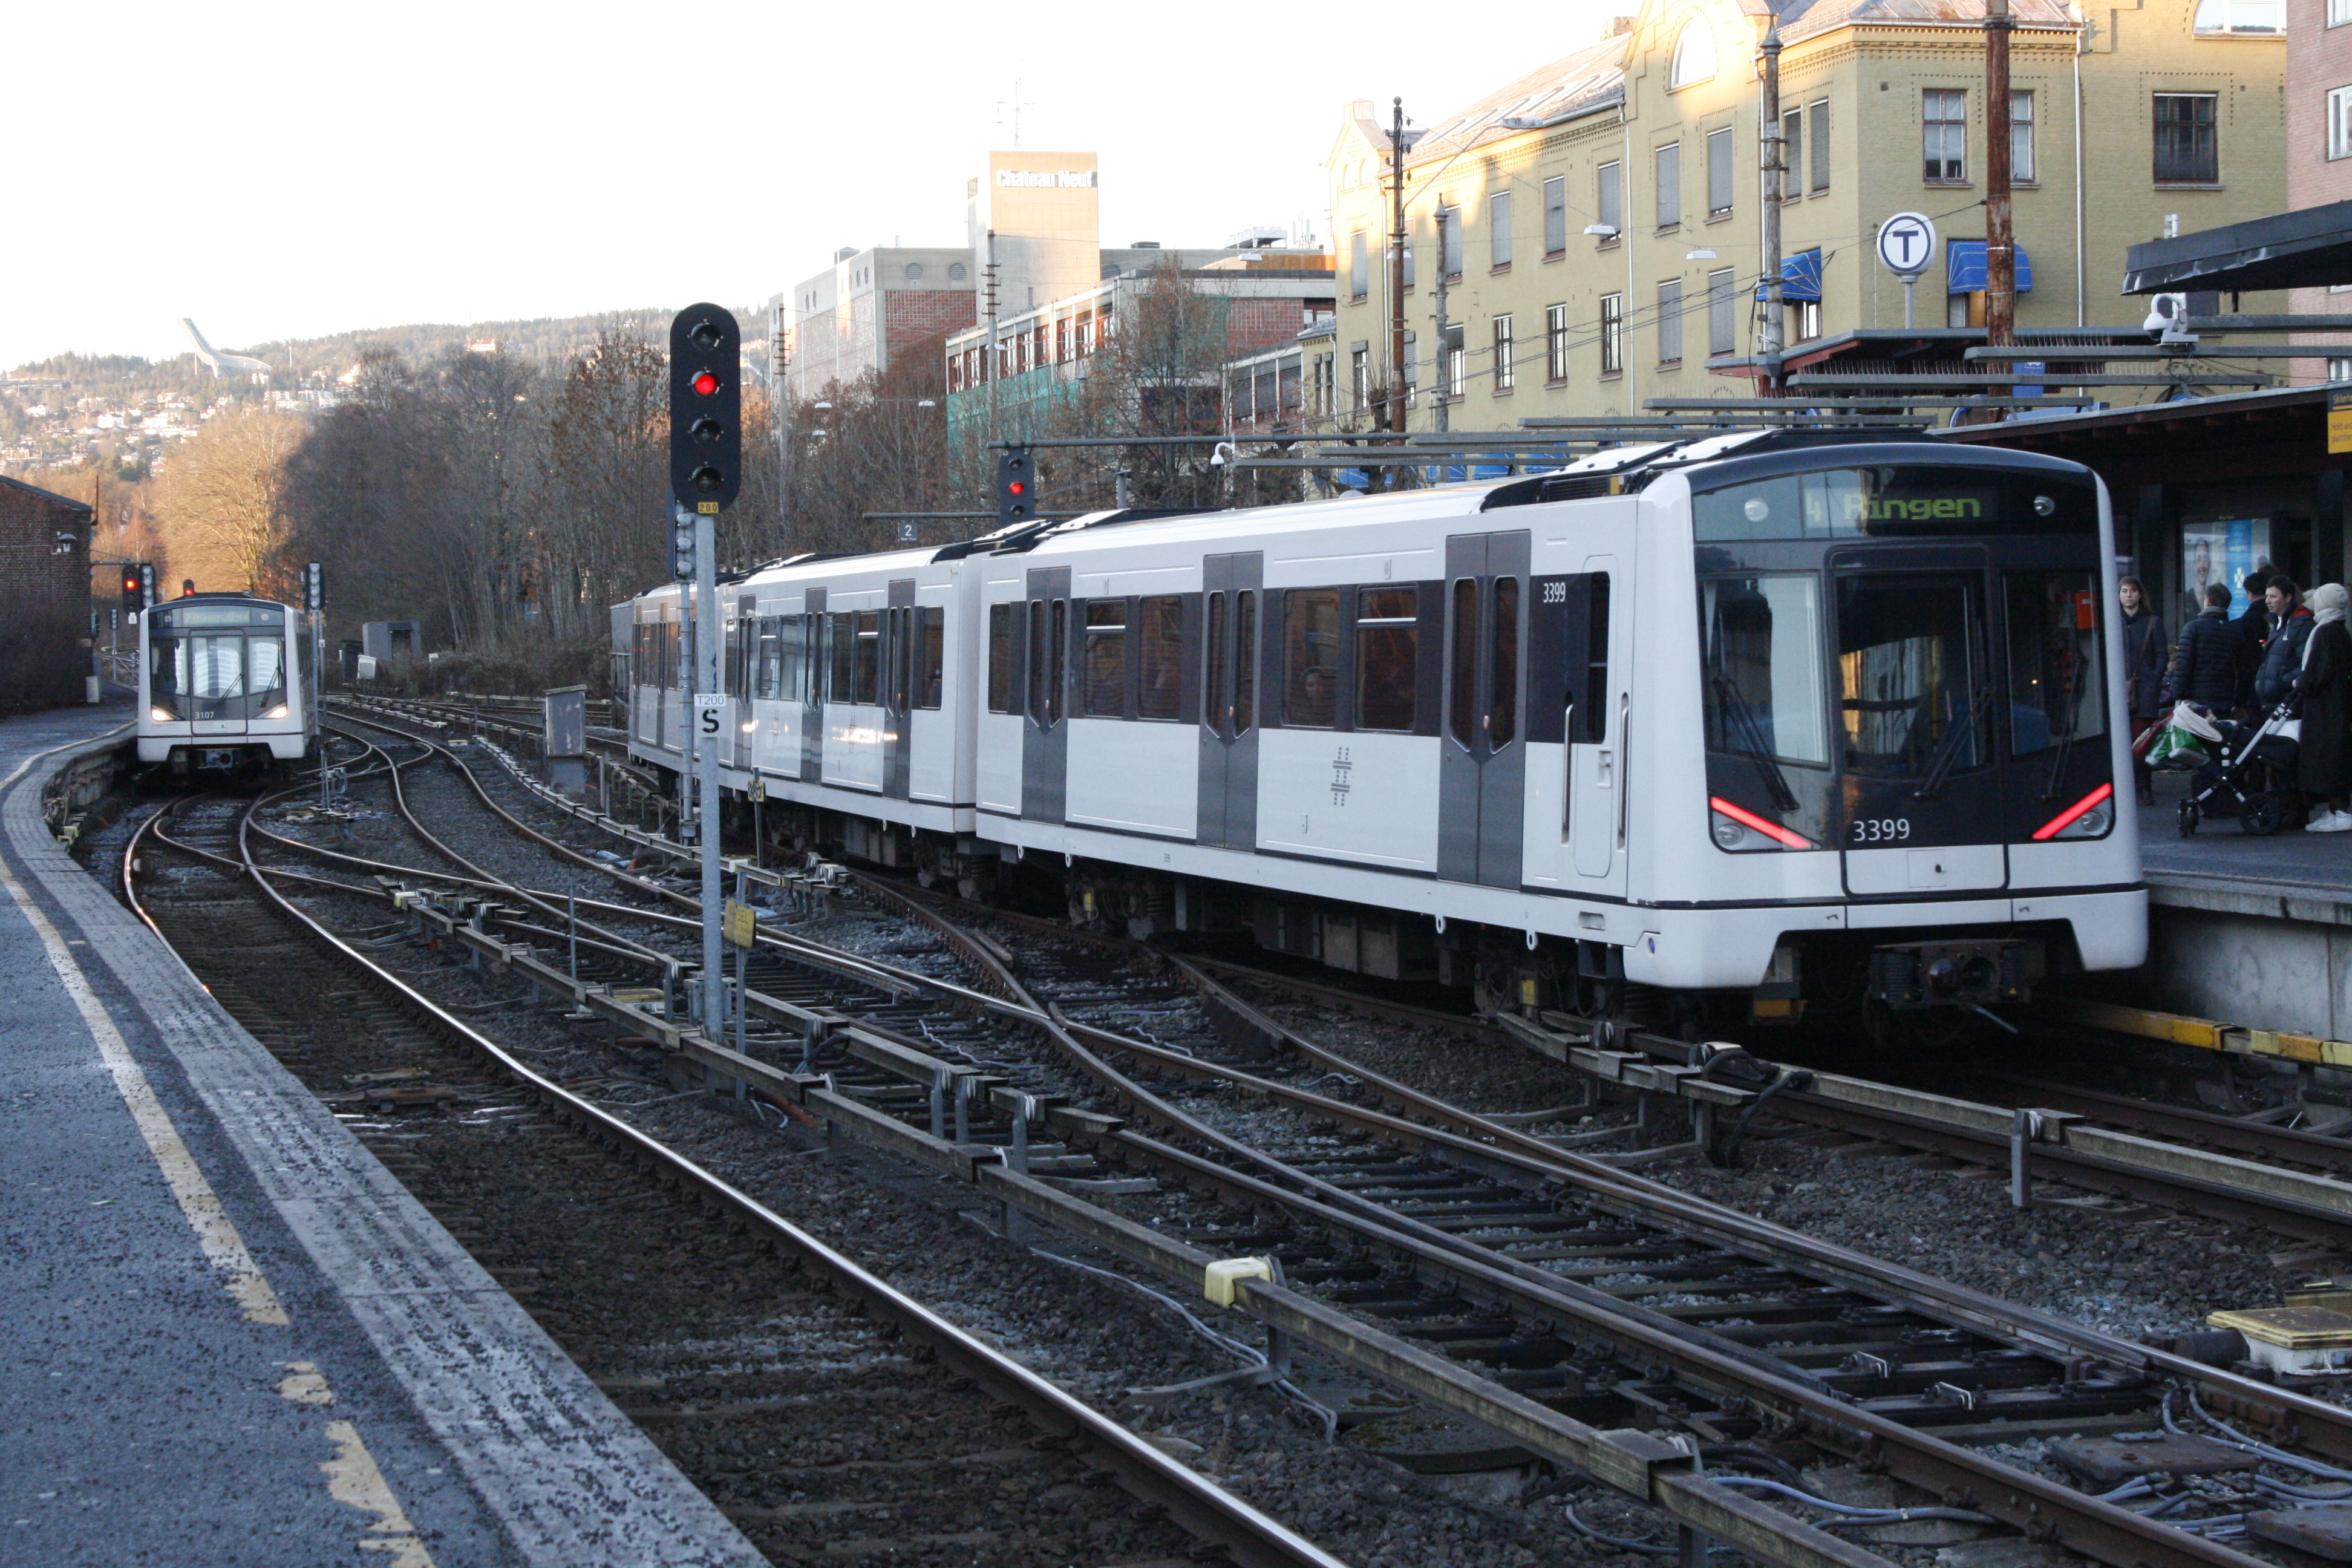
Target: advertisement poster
[[2223, 552]]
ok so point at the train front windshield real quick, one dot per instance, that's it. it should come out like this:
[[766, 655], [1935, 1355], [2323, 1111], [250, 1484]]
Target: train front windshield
[[1901, 654], [213, 662]]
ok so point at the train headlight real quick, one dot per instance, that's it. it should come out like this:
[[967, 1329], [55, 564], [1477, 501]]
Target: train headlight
[[1737, 829], [2089, 817], [276, 712], [160, 715]]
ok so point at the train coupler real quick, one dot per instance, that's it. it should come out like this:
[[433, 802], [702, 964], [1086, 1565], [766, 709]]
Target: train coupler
[[1954, 973]]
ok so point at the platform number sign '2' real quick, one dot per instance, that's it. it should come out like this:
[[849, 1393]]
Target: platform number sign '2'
[[1907, 242]]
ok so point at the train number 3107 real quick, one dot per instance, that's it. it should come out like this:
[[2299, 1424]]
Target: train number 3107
[[1881, 829]]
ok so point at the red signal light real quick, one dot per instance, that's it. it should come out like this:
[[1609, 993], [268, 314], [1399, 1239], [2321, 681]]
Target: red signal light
[[706, 383], [1016, 488]]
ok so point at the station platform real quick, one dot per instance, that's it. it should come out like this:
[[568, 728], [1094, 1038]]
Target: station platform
[[233, 1338]]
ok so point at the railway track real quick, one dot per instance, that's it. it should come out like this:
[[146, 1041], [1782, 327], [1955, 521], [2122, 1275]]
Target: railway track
[[796, 1388]]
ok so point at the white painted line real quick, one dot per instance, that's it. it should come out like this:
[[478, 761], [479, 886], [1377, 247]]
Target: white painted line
[[214, 1231]]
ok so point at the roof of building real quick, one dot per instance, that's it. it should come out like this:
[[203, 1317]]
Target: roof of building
[[2306, 249], [1590, 78], [45, 495], [1801, 19]]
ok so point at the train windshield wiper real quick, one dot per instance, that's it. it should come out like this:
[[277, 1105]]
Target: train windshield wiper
[[1950, 752], [1750, 744]]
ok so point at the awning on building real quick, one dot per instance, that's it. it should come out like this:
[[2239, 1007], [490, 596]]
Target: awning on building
[[1964, 267], [1801, 276], [2305, 250]]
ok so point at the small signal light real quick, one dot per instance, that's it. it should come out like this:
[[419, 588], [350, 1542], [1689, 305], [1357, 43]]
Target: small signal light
[[706, 383], [1016, 488], [706, 394]]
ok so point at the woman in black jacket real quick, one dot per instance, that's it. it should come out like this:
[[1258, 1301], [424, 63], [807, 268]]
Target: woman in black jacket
[[2323, 763], [2145, 653]]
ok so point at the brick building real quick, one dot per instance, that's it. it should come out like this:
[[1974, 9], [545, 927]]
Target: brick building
[[2319, 157], [869, 309], [44, 596]]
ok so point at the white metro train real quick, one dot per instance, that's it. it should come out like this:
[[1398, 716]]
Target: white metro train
[[1695, 734], [225, 683]]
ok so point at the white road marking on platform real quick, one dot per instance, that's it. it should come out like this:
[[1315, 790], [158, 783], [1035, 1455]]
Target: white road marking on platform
[[214, 1232]]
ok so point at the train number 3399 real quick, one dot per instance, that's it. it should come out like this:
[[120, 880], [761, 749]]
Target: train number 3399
[[1881, 829]]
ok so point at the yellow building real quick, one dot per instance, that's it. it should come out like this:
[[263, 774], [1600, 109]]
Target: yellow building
[[1601, 241]]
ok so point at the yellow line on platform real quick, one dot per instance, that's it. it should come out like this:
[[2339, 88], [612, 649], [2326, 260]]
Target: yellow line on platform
[[2205, 1034]]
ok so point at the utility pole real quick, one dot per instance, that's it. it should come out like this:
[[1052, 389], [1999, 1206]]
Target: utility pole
[[988, 366], [2000, 246], [1396, 271], [1439, 416], [1768, 341], [780, 404]]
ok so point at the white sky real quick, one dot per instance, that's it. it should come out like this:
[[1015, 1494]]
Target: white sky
[[281, 171]]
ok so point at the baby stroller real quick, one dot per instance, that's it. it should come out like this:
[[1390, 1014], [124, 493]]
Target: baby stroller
[[2251, 775]]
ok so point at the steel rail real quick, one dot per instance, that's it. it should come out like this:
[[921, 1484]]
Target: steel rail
[[1200, 1506]]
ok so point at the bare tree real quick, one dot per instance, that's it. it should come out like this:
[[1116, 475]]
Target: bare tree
[[220, 501]]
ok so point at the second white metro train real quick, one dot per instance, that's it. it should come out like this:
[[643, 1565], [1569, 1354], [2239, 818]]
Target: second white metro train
[[1703, 733]]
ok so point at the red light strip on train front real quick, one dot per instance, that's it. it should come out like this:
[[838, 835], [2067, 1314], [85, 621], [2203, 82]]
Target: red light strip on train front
[[2057, 824], [1750, 819]]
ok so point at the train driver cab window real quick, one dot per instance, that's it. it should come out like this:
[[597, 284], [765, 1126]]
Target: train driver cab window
[[1388, 658], [1159, 655], [1000, 658], [1915, 693], [2057, 684], [1105, 659], [932, 662], [1310, 658], [1760, 670]]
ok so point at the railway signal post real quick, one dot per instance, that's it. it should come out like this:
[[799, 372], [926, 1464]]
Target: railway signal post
[[706, 466]]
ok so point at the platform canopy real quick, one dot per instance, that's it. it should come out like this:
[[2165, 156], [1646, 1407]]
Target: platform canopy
[[2307, 249]]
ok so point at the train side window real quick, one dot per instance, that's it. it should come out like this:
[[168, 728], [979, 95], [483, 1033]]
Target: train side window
[[1388, 658], [1461, 697], [788, 657], [767, 658], [1000, 658], [1159, 655], [1036, 663], [731, 676], [933, 671], [1105, 671], [1245, 661], [1502, 715], [840, 629], [866, 664], [1310, 658], [1592, 724], [1212, 688]]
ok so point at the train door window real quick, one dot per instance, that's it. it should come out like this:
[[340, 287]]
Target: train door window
[[1057, 668], [1038, 629], [1159, 655], [1502, 714], [1915, 689], [1213, 700], [1388, 656], [1000, 658], [865, 663], [933, 670], [899, 658], [1592, 724], [840, 627], [1760, 652], [1105, 671], [1462, 700], [2057, 683], [1310, 658], [767, 658], [737, 681], [1245, 661]]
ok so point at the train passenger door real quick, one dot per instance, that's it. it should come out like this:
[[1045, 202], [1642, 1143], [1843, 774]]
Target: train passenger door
[[1596, 732], [1231, 588], [742, 660], [815, 661], [1045, 734], [1482, 759], [900, 629]]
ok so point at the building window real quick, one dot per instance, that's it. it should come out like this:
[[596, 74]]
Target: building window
[[1506, 373], [2256, 16], [1499, 230], [1694, 58], [1670, 184], [1608, 203], [2020, 137], [1809, 321], [1449, 243], [914, 272], [2339, 369], [1670, 321], [1358, 267], [1718, 173], [1792, 154], [1555, 342], [1945, 113], [1722, 314], [1451, 369], [1612, 334], [1819, 113], [1360, 378], [2338, 12], [1555, 195], [955, 272], [2186, 150], [2339, 120]]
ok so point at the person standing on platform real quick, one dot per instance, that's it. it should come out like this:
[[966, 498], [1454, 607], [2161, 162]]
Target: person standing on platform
[[2145, 653], [2282, 655], [2205, 665], [2253, 628], [2323, 763]]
